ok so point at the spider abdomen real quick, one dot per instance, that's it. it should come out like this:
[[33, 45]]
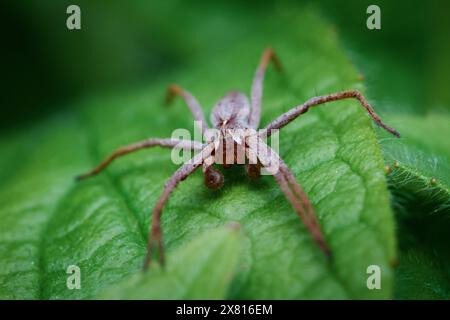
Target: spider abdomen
[[231, 111]]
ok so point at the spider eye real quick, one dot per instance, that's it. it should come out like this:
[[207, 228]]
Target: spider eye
[[213, 178]]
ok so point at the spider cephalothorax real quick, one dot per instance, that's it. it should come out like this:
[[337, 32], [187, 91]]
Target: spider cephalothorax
[[235, 140]]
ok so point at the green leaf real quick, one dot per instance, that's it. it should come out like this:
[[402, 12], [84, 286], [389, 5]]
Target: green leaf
[[420, 161], [419, 181], [201, 269], [424, 258], [49, 222]]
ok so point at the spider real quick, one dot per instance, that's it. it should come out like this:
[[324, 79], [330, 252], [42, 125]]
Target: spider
[[235, 113]]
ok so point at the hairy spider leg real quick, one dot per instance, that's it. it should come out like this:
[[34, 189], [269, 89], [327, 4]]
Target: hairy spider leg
[[292, 190], [191, 102], [165, 143], [292, 114], [155, 236], [257, 86]]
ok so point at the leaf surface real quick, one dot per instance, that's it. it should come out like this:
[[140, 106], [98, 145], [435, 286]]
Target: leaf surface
[[49, 222], [201, 269], [419, 181]]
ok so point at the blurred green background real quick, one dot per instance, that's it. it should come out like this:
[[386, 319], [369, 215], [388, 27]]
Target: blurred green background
[[45, 66]]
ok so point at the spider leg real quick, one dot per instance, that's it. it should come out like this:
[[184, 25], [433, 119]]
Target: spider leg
[[257, 87], [292, 114], [155, 236], [302, 205], [192, 103], [165, 143], [292, 190]]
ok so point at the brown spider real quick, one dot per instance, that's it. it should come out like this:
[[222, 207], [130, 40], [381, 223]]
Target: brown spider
[[234, 113]]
